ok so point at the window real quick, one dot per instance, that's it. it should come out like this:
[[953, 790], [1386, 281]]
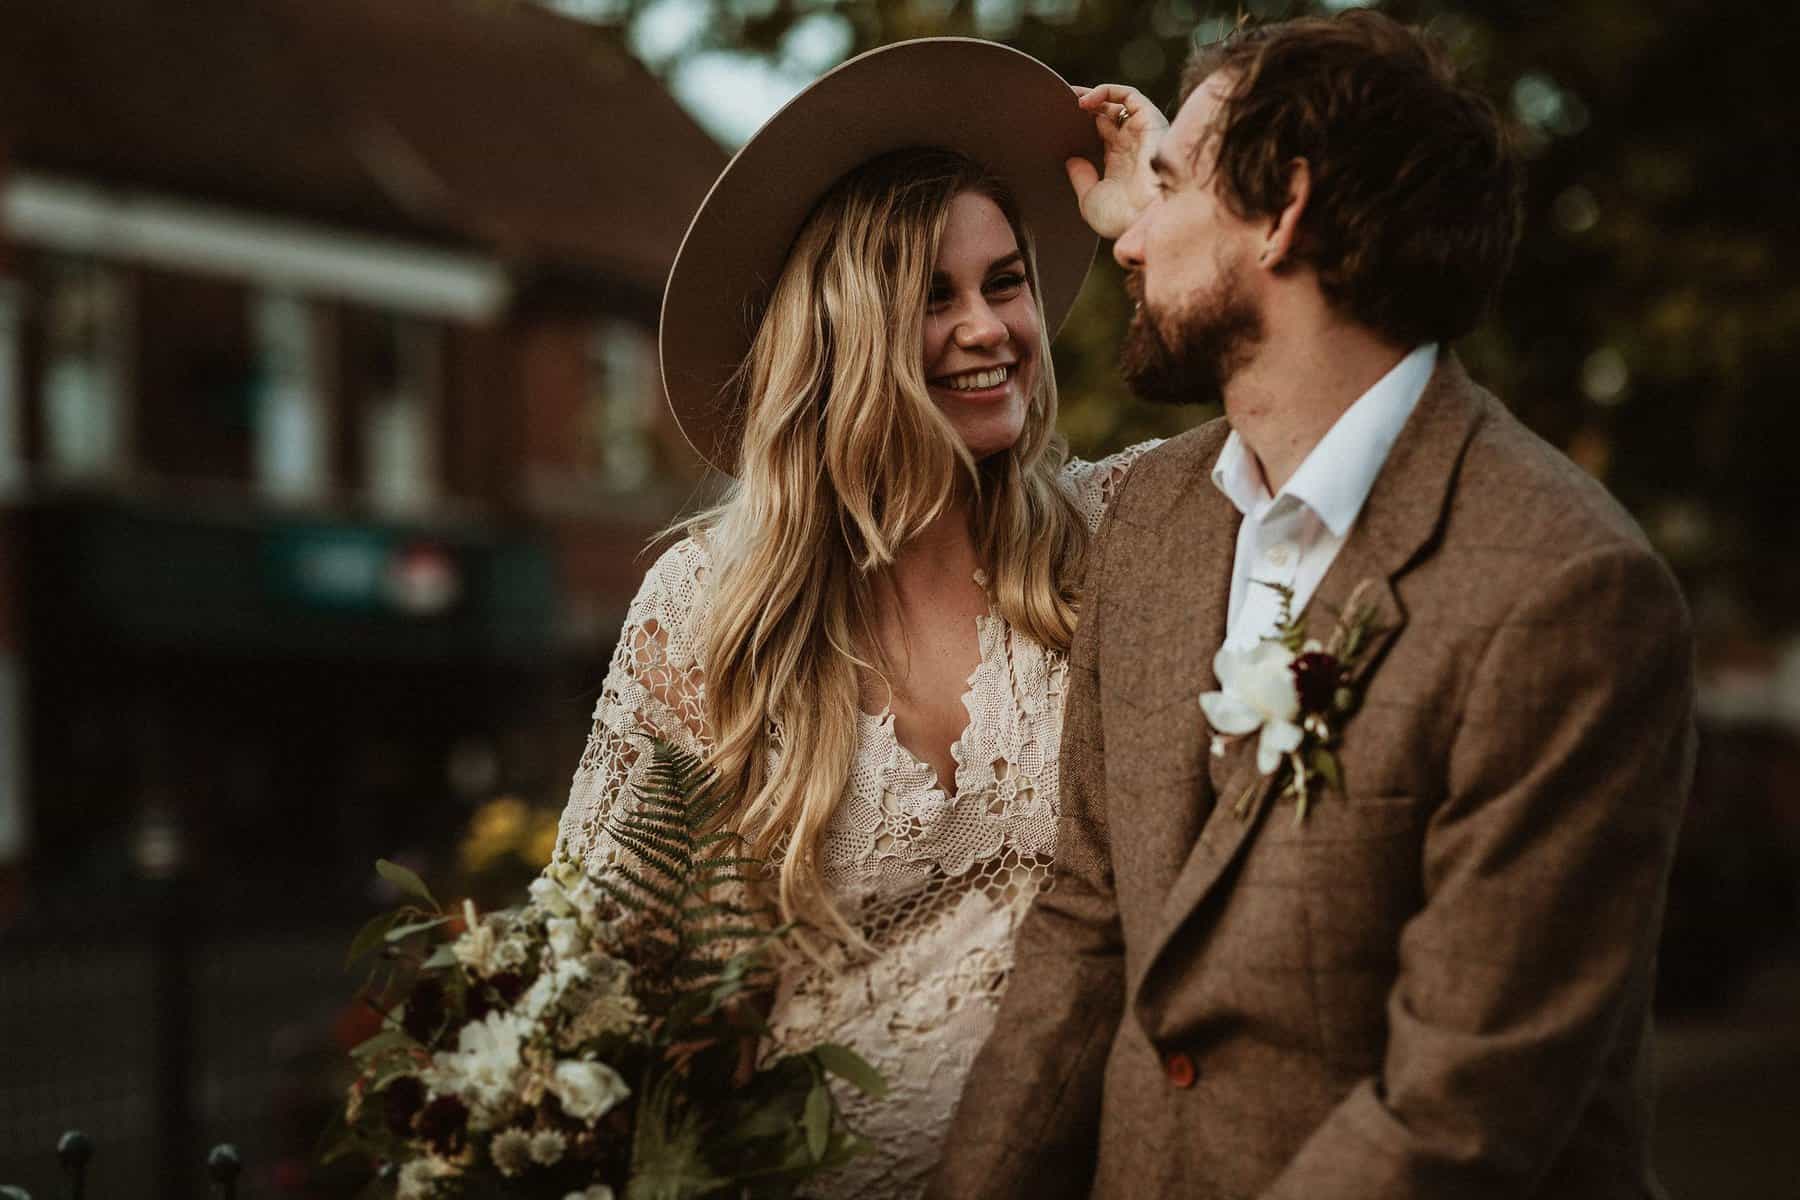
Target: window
[[399, 421], [84, 370], [290, 415], [622, 403]]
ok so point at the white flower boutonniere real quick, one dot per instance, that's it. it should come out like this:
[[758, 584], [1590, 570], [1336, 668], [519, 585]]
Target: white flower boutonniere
[[1295, 694]]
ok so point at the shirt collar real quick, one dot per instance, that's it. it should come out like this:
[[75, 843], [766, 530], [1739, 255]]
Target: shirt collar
[[1335, 479]]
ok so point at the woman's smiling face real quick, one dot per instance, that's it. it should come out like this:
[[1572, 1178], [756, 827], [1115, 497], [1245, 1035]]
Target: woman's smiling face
[[981, 328]]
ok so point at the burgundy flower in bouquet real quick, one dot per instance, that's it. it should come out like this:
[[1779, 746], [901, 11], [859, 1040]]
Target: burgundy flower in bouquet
[[585, 1043]]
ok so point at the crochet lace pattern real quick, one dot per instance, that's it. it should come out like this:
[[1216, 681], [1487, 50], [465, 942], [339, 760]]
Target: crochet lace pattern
[[936, 882]]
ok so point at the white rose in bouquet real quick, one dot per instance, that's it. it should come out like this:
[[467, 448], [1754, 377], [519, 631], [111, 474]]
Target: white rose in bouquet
[[587, 1090], [508, 1039], [484, 1068]]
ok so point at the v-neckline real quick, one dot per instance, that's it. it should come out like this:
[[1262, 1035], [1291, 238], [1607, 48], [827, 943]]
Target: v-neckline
[[885, 719]]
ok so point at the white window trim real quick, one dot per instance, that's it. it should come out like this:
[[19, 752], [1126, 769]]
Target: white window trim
[[385, 273]]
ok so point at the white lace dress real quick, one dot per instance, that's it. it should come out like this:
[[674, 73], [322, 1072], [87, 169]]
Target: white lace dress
[[936, 883]]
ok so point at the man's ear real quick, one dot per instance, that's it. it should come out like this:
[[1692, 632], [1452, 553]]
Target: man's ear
[[1283, 230]]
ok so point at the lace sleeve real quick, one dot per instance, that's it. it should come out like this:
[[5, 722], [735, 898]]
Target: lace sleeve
[[1095, 483], [654, 688]]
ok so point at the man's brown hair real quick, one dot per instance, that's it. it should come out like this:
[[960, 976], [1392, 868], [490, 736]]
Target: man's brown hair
[[1415, 205]]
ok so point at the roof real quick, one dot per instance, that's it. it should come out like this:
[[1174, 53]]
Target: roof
[[485, 123]]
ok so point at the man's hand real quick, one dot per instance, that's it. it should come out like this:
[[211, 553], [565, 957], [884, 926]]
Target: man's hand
[[1130, 128]]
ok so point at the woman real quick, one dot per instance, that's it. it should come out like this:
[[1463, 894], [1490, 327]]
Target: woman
[[866, 638]]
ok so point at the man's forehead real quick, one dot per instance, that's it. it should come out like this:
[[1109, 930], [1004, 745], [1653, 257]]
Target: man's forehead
[[1188, 132]]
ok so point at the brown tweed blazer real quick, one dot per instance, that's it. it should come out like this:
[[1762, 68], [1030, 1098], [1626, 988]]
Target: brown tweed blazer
[[1439, 985]]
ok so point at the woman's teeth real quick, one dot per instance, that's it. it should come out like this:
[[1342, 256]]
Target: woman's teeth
[[972, 381]]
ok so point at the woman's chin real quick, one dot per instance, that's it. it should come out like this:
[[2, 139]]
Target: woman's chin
[[987, 440], [989, 421]]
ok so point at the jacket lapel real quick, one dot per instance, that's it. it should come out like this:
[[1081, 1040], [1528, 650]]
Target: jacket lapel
[[1398, 524], [1165, 620]]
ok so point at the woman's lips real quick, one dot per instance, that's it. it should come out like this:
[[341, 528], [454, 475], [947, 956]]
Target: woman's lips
[[979, 395]]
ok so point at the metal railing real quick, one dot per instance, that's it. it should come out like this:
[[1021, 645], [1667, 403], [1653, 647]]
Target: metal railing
[[75, 1150]]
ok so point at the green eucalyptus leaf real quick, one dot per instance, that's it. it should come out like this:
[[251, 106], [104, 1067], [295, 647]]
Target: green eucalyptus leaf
[[1325, 766], [387, 1039], [441, 958], [370, 937], [817, 1121], [407, 881], [852, 1068], [402, 932]]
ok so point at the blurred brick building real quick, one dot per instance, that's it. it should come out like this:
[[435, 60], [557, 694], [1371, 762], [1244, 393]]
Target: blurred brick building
[[330, 436]]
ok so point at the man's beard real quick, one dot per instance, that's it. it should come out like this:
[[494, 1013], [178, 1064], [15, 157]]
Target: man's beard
[[1213, 338]]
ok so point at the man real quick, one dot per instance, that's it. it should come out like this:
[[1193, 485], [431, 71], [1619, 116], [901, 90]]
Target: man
[[1394, 936]]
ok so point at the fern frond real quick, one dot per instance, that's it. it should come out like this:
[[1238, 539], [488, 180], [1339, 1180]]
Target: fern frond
[[699, 967], [673, 828], [667, 897], [730, 933], [722, 908], [669, 862]]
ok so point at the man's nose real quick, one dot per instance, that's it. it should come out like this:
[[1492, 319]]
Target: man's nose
[[1128, 251]]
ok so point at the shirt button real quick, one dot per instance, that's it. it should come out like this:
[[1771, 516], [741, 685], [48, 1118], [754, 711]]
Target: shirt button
[[1181, 1069], [1280, 554]]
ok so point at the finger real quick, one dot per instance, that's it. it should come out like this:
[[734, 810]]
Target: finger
[[1079, 90], [1082, 176], [1112, 93]]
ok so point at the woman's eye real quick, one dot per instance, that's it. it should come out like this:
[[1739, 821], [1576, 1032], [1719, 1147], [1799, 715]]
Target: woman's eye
[[937, 297], [1004, 284]]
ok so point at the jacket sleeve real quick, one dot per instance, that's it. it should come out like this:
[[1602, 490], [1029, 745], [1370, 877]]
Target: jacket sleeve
[[1028, 1122], [1545, 870]]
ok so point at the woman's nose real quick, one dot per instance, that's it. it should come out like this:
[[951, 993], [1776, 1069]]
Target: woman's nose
[[979, 328]]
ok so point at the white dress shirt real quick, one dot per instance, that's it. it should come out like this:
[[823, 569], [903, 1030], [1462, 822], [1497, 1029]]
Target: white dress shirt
[[1292, 537]]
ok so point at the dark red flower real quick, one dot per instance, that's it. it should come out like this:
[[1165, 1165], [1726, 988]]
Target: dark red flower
[[509, 984], [1317, 677], [444, 1123], [424, 1010], [403, 1099]]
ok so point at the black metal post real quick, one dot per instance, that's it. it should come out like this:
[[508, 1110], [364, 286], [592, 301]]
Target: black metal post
[[74, 1150], [223, 1166], [177, 1141]]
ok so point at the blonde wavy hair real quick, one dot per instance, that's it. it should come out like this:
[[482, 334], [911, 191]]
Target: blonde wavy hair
[[844, 458]]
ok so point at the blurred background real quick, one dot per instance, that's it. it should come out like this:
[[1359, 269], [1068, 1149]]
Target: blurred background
[[331, 443]]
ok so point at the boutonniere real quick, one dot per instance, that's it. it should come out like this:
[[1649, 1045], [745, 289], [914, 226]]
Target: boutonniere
[[1296, 694]]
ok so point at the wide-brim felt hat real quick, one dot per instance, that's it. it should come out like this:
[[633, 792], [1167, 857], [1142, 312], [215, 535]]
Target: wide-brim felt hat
[[999, 106]]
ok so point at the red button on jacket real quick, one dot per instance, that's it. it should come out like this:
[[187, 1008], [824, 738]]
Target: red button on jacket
[[1181, 1069]]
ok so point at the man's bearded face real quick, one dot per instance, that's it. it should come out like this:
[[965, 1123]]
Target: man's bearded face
[[1188, 354]]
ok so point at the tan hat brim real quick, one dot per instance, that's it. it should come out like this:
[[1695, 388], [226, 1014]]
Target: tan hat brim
[[999, 106]]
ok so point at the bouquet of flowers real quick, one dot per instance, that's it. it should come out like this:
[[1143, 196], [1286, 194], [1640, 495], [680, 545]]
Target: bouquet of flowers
[[591, 1043]]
